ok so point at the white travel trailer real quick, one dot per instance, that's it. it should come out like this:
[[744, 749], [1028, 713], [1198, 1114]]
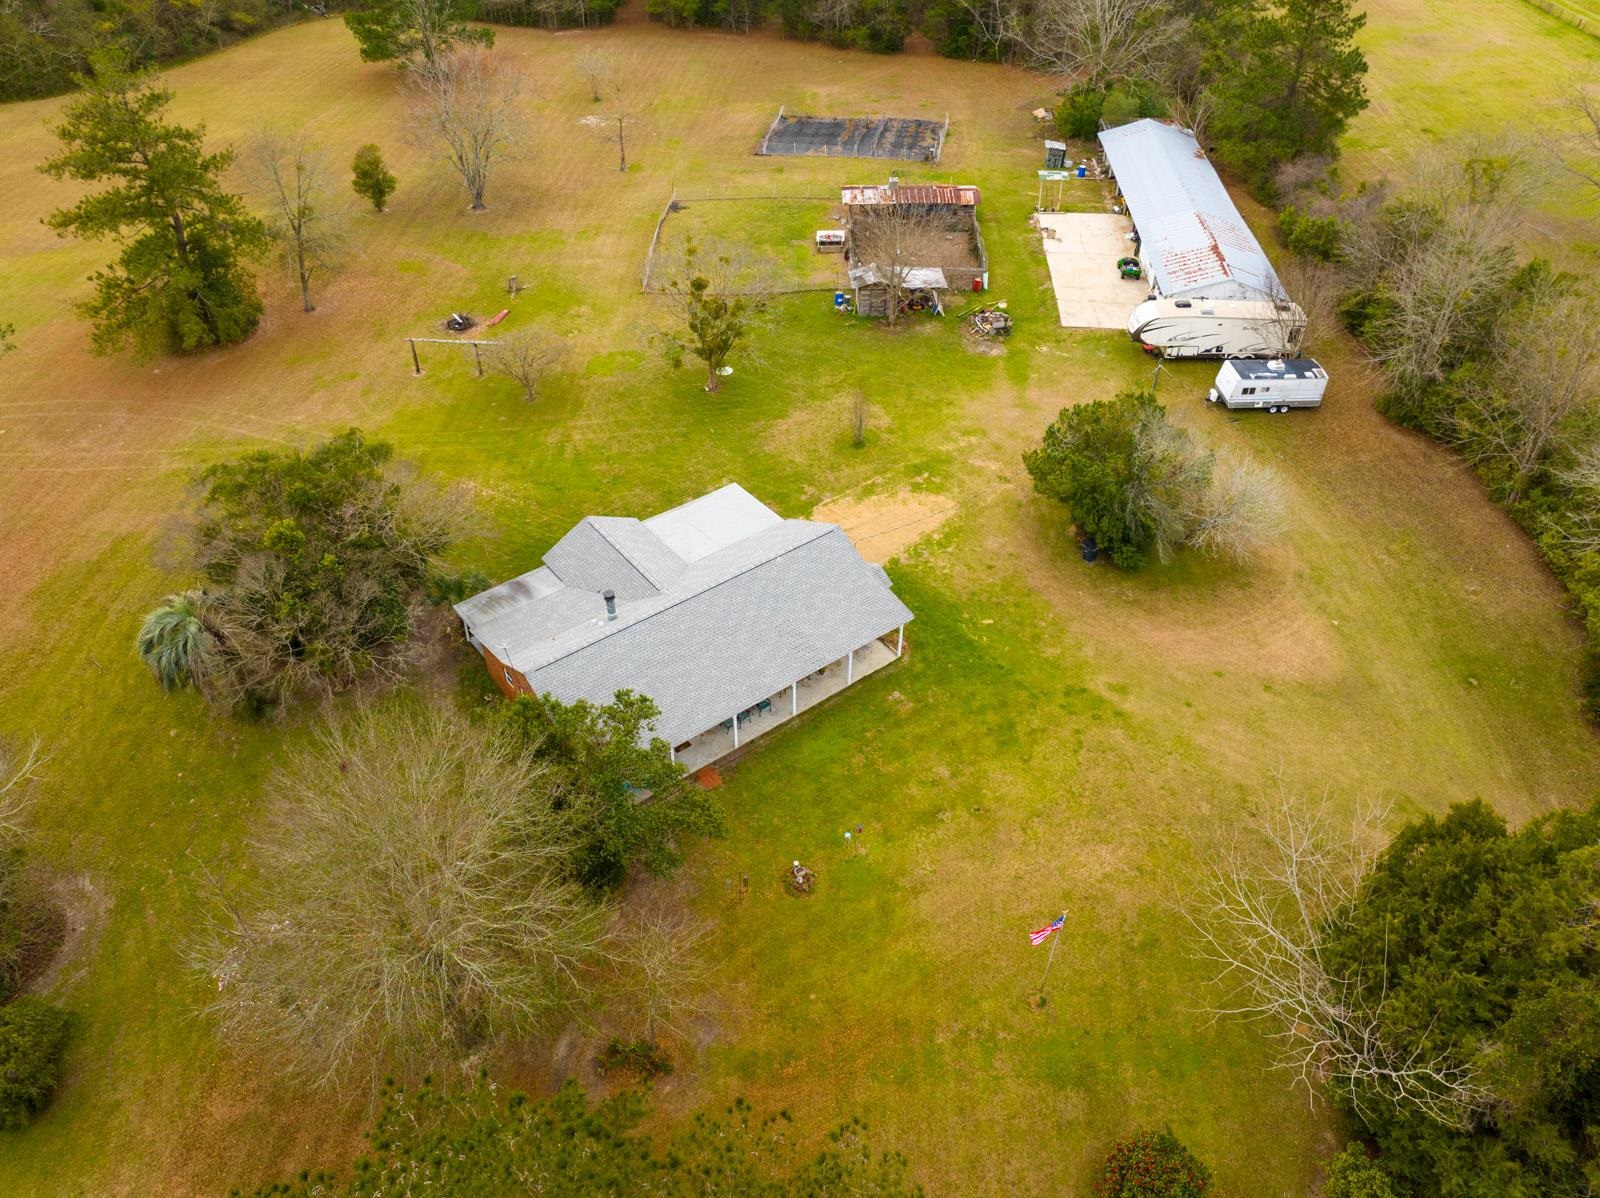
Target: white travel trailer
[[1275, 386], [1201, 328]]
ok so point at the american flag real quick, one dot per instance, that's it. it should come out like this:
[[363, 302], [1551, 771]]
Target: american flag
[[1039, 936]]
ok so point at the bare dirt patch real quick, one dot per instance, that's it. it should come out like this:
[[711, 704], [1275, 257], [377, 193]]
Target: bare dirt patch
[[85, 906], [883, 525]]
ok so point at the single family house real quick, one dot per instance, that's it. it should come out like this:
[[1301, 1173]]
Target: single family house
[[731, 618]]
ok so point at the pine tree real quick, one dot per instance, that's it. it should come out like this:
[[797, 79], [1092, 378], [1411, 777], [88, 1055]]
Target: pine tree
[[1287, 80], [180, 282]]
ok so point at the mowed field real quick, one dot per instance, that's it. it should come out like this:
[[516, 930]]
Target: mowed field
[[1057, 736]]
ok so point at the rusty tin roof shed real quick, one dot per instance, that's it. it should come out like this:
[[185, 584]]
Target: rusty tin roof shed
[[928, 194], [1192, 239]]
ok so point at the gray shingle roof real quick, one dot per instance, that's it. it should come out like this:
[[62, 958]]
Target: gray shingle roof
[[1192, 237], [734, 626], [613, 553]]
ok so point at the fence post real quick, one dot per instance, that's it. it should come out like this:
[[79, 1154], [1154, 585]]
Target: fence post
[[416, 363]]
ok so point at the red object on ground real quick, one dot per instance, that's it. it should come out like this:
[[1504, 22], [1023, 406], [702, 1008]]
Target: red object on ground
[[977, 285], [707, 777], [498, 317]]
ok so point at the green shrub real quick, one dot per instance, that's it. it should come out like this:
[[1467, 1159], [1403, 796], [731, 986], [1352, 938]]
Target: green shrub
[[33, 1037], [1353, 1174], [1078, 114], [1310, 236], [1131, 101], [633, 1058], [371, 179], [1152, 1164]]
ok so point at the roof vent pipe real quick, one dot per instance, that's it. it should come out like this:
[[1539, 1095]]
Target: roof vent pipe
[[611, 604]]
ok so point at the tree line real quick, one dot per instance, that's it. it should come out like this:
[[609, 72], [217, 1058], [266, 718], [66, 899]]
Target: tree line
[[1261, 81], [1492, 353]]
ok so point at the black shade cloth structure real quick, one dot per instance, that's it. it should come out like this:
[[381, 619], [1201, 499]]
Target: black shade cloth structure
[[899, 138]]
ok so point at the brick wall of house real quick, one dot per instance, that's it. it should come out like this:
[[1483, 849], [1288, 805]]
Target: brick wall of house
[[510, 681]]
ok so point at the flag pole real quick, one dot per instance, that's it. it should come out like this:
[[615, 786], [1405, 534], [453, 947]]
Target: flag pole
[[1050, 958]]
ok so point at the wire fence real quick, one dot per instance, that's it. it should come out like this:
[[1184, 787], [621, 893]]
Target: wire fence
[[1588, 21], [675, 202]]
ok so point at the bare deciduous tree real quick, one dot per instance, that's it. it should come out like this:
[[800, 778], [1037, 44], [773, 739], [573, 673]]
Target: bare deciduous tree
[[1312, 314], [1261, 918], [1194, 112], [1238, 511], [466, 109], [895, 239], [1541, 388], [997, 24], [1440, 261], [598, 66], [19, 770], [610, 83], [526, 357], [1104, 42], [666, 972], [414, 904], [1583, 138], [293, 176], [1578, 528]]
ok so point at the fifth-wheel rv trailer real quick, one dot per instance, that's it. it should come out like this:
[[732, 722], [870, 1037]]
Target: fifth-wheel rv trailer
[[1276, 386], [1200, 328]]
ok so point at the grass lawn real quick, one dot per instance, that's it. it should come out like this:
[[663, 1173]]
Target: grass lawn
[[1475, 68], [1057, 736]]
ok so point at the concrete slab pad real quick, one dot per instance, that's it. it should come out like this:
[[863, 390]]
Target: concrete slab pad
[[1082, 249]]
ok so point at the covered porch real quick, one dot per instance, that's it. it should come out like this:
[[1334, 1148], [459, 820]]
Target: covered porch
[[740, 728]]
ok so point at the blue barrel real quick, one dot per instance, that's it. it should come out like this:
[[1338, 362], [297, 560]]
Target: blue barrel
[[838, 299], [1083, 169]]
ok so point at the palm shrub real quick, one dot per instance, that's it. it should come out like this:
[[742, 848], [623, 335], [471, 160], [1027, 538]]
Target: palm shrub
[[175, 642], [1152, 1164], [33, 1037]]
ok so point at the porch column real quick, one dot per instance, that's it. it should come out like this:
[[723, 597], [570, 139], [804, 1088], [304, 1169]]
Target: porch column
[[899, 640], [794, 698], [850, 668], [736, 729], [672, 752]]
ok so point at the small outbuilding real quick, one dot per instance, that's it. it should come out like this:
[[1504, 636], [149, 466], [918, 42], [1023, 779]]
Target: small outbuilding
[[923, 234], [731, 618], [922, 288]]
